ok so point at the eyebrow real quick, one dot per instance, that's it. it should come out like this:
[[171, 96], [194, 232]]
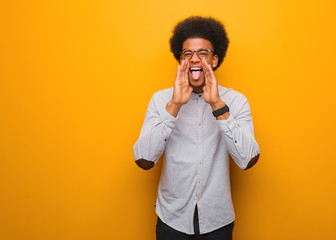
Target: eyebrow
[[188, 49]]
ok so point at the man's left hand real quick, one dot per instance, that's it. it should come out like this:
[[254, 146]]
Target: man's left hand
[[210, 89]]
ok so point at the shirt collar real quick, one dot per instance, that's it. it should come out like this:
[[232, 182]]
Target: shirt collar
[[196, 95]]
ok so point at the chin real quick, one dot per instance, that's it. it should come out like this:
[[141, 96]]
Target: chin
[[196, 83]]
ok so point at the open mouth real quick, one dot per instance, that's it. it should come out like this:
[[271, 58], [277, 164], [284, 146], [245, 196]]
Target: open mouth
[[196, 72]]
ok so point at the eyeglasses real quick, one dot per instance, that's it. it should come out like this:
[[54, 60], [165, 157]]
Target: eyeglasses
[[201, 53]]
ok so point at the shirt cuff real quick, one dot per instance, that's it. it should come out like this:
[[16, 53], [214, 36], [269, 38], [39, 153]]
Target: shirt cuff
[[167, 119], [227, 125]]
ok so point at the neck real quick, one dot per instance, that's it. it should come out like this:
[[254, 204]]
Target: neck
[[198, 90]]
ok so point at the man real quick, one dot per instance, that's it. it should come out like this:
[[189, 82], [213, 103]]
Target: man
[[197, 124]]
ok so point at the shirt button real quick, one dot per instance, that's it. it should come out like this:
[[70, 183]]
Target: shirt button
[[199, 124], [199, 144]]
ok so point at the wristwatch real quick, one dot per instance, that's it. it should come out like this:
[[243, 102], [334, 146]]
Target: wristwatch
[[221, 111]]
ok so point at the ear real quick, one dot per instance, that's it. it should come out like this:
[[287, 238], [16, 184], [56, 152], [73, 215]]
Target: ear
[[214, 61]]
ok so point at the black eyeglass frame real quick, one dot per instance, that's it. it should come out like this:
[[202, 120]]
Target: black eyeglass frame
[[193, 51]]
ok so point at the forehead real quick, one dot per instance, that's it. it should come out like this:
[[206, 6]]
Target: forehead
[[196, 43]]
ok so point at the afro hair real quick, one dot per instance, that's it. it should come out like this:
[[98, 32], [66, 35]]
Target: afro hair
[[200, 27]]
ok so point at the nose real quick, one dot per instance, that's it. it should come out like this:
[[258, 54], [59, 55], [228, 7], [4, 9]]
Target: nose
[[194, 57]]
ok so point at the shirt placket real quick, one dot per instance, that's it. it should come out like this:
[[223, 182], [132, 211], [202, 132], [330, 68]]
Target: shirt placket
[[200, 103]]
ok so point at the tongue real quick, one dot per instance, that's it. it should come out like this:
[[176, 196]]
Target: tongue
[[196, 74]]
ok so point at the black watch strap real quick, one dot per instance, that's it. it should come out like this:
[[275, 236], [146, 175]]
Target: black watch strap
[[221, 111]]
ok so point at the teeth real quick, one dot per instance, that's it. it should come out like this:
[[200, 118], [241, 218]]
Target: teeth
[[195, 69]]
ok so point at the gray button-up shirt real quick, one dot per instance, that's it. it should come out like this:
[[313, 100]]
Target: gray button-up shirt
[[196, 147]]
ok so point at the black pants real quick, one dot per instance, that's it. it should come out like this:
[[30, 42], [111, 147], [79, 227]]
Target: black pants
[[164, 232]]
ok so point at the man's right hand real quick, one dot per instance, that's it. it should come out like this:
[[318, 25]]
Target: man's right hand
[[182, 89]]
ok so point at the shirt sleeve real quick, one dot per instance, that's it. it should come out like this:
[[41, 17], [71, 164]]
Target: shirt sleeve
[[239, 134], [155, 131]]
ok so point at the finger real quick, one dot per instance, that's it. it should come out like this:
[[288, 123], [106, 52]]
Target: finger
[[206, 72], [206, 89], [205, 67], [184, 65], [178, 76], [181, 71], [212, 74], [178, 72], [186, 71]]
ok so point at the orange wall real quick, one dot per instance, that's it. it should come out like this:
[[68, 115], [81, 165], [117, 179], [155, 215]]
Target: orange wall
[[75, 81]]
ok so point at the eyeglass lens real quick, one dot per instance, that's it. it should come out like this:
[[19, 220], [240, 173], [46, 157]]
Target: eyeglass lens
[[201, 53]]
